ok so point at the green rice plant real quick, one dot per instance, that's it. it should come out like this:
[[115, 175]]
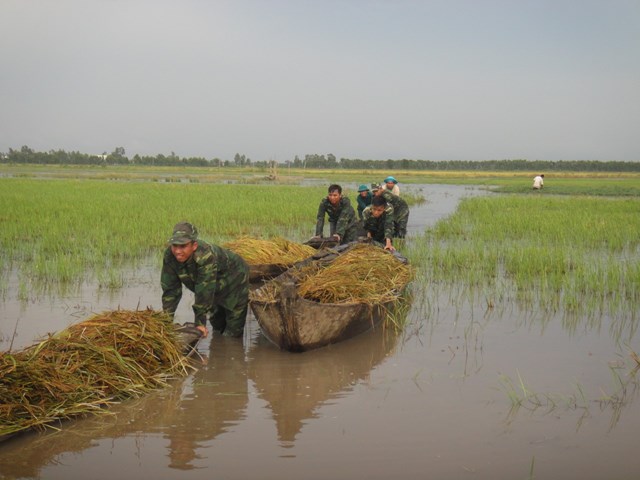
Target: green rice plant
[[56, 232], [576, 254]]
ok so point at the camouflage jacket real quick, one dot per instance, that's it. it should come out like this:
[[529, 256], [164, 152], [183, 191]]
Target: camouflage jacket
[[380, 228], [212, 273], [399, 204], [343, 215]]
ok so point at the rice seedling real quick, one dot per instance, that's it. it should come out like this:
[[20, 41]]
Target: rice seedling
[[108, 357]]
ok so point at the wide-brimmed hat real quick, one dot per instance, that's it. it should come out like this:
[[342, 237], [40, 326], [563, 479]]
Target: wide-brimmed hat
[[390, 179], [363, 188], [183, 233]]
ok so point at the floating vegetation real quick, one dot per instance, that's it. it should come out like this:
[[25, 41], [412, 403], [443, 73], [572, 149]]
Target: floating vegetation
[[277, 251], [363, 274], [109, 357]]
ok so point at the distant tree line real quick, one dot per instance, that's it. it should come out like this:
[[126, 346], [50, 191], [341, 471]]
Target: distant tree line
[[26, 155]]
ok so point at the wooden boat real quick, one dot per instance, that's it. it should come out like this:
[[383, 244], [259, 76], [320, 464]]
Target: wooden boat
[[189, 337], [296, 324], [265, 271]]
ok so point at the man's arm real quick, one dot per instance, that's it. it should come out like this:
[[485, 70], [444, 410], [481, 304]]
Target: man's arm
[[171, 289], [320, 219]]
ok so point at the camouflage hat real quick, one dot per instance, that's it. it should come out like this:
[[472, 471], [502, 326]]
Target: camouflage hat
[[183, 233], [375, 186]]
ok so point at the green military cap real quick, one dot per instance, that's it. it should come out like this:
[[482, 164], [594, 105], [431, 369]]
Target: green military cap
[[363, 188], [183, 233], [375, 186]]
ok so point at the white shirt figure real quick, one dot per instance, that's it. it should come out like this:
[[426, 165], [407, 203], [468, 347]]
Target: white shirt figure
[[538, 182]]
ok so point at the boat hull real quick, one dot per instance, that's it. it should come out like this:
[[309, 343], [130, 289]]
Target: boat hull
[[297, 325]]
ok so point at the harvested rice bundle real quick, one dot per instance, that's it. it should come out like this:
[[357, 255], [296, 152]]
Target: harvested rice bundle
[[277, 251], [364, 274], [108, 357]]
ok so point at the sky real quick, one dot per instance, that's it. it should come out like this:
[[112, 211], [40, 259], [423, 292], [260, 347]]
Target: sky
[[272, 79]]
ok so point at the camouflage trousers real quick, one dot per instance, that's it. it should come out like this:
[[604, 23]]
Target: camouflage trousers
[[400, 224], [230, 315]]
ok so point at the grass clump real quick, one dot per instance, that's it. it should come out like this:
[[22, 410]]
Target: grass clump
[[110, 356]]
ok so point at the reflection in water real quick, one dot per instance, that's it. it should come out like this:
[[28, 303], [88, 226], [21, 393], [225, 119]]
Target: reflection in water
[[188, 414], [217, 400], [295, 385]]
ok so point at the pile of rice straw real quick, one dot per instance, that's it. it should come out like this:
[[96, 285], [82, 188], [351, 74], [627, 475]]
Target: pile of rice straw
[[277, 251], [363, 274], [110, 356]]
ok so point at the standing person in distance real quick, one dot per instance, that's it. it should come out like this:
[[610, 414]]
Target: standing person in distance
[[218, 277]]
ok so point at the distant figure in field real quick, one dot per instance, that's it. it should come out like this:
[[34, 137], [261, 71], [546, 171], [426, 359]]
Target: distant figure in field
[[391, 184], [538, 182]]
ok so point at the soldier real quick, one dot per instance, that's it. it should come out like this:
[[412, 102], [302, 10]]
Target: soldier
[[342, 216], [218, 277], [391, 184], [364, 199], [400, 209], [378, 222]]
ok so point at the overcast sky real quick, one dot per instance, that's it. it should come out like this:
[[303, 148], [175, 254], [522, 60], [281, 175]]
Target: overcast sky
[[271, 79]]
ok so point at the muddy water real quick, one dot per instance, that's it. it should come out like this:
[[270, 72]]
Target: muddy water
[[429, 402]]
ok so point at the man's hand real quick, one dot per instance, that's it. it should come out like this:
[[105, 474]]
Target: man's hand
[[203, 329]]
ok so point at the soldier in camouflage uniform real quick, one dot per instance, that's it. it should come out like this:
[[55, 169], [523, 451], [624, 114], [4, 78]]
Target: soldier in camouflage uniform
[[378, 222], [218, 277], [342, 216], [400, 209]]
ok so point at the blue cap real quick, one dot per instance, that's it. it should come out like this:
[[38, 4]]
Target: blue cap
[[390, 179]]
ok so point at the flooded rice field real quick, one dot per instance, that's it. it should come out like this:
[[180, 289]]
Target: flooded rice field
[[462, 392]]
